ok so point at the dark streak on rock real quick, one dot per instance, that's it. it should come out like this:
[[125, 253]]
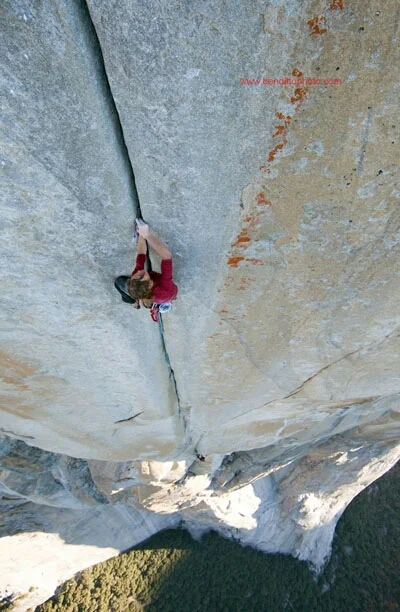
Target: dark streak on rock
[[18, 436], [129, 419]]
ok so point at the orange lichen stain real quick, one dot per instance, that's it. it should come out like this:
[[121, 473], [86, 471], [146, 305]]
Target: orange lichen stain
[[223, 310], [260, 197], [255, 261], [274, 151], [242, 239], [240, 242], [297, 73], [241, 288], [286, 118], [280, 129], [336, 4], [314, 25], [299, 95], [234, 261]]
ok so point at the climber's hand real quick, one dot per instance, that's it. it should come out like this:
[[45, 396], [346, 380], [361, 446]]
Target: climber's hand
[[142, 228]]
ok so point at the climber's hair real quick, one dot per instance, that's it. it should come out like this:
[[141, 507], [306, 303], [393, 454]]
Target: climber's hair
[[139, 290]]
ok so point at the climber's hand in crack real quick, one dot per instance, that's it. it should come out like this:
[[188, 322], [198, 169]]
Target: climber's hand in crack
[[142, 228]]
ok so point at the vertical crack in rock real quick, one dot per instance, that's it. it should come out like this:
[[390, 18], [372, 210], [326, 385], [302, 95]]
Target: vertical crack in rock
[[135, 195], [118, 125], [171, 371]]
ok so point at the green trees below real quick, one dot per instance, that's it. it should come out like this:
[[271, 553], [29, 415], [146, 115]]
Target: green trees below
[[173, 573]]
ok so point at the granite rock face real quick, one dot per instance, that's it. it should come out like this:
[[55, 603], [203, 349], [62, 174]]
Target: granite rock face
[[280, 204], [269, 395], [76, 363]]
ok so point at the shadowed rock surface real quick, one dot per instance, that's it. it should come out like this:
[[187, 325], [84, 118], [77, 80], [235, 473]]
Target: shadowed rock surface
[[280, 206]]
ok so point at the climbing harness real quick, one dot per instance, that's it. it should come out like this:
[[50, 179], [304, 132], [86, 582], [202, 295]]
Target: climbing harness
[[159, 308]]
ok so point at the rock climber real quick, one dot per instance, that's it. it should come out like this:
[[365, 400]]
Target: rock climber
[[149, 289]]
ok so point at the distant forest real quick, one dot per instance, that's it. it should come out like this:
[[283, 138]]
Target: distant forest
[[173, 573]]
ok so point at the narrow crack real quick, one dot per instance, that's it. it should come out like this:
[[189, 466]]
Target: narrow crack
[[170, 368], [364, 348], [134, 193], [17, 436], [303, 384], [117, 121], [129, 418]]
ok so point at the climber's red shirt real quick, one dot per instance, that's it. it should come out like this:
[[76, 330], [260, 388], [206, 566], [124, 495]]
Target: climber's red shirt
[[164, 288]]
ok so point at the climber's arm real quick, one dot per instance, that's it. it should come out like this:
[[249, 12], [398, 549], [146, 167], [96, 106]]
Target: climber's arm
[[144, 231], [141, 246], [141, 251], [159, 247]]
